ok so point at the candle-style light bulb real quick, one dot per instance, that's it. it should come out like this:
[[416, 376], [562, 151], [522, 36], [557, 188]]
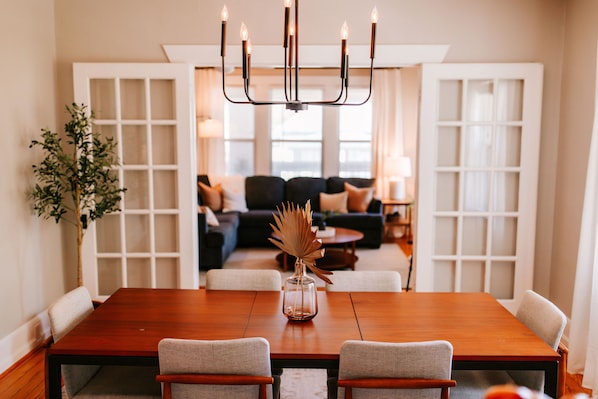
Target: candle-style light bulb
[[375, 15], [224, 14], [244, 37], [287, 11], [373, 39], [344, 31], [344, 36], [244, 32], [224, 18]]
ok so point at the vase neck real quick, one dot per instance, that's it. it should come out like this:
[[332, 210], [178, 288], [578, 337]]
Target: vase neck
[[299, 267]]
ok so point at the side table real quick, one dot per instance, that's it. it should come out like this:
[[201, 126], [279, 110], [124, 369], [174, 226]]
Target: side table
[[404, 219]]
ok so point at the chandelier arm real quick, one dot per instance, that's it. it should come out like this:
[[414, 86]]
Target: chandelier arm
[[224, 88], [347, 93]]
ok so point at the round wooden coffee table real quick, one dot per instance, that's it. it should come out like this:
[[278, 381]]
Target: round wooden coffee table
[[339, 251]]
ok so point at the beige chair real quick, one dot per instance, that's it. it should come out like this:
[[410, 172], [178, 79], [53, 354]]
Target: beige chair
[[365, 281], [418, 370], [220, 369], [240, 279], [542, 317], [81, 381]]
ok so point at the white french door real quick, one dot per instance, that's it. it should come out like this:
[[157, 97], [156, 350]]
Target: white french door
[[478, 157], [152, 242]]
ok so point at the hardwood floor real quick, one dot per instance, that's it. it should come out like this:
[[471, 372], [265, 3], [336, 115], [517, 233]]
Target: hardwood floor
[[25, 380]]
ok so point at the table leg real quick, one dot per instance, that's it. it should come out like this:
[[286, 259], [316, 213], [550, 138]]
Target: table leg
[[53, 378]]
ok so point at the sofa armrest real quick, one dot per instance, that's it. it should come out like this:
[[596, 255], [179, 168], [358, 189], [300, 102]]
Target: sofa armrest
[[375, 206], [202, 225]]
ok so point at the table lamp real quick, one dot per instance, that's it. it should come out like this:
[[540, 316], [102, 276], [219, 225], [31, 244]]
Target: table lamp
[[398, 169]]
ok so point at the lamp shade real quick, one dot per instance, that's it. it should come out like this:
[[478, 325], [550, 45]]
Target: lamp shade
[[209, 128], [404, 164], [398, 167]]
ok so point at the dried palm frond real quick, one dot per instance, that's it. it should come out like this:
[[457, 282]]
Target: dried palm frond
[[296, 237]]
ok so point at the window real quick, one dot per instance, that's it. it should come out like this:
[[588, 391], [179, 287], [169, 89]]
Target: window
[[320, 141], [239, 135], [355, 137], [296, 137]]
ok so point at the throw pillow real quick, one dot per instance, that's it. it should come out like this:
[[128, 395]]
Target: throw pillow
[[211, 219], [233, 201], [334, 202], [211, 196], [359, 198], [233, 192]]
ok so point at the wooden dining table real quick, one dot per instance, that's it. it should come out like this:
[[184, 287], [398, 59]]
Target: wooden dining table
[[127, 327]]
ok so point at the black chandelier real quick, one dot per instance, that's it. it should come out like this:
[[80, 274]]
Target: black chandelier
[[291, 62]]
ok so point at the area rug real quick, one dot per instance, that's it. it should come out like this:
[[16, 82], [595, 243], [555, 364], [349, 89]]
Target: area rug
[[388, 257]]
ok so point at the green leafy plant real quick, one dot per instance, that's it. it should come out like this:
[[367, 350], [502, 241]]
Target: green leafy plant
[[76, 179]]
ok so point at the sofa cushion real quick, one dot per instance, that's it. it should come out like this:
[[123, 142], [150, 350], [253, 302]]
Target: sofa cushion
[[264, 192], [211, 196], [336, 184], [301, 189], [205, 180], [359, 198], [336, 202], [211, 219], [233, 201]]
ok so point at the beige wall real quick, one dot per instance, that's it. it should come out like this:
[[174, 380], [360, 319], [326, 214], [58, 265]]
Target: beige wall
[[134, 30], [477, 31], [577, 111], [31, 274]]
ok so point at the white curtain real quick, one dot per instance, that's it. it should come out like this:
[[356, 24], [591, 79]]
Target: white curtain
[[209, 105], [388, 136], [583, 351]]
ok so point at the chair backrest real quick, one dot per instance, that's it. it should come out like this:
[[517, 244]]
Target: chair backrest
[[543, 317], [364, 281], [64, 314], [243, 280], [548, 322], [377, 369], [219, 369]]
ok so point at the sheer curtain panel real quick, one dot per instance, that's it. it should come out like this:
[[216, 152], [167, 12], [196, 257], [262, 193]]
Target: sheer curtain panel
[[583, 351]]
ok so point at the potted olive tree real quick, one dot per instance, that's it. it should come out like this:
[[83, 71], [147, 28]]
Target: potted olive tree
[[76, 179]]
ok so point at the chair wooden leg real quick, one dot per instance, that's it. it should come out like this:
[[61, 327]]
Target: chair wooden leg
[[562, 372]]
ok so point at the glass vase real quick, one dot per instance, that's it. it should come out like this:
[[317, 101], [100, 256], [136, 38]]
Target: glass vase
[[300, 298]]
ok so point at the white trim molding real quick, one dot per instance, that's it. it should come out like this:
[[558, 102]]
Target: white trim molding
[[387, 56], [23, 340]]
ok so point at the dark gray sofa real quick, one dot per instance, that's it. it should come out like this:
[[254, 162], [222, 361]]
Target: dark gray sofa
[[263, 194]]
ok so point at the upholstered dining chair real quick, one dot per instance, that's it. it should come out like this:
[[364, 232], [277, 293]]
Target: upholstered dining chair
[[547, 321], [215, 369], [82, 381], [419, 370], [365, 281], [242, 279]]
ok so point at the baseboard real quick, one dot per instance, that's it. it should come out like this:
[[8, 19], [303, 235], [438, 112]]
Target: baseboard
[[23, 340]]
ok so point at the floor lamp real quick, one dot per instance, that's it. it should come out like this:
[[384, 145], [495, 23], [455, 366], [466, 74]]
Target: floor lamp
[[208, 129]]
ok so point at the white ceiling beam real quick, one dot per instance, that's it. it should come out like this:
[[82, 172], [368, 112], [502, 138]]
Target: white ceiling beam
[[324, 56]]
